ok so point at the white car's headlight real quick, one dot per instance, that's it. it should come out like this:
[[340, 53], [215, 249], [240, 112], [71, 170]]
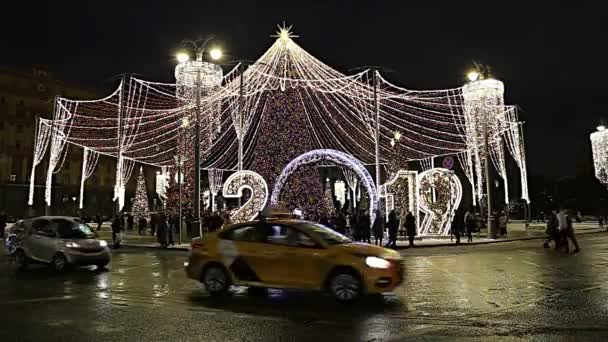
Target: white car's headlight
[[71, 244], [103, 243], [375, 262]]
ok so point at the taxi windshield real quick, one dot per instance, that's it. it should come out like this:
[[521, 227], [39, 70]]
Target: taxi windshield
[[328, 235]]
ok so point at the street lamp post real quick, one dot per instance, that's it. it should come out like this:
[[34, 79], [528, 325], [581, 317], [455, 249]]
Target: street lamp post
[[185, 68]]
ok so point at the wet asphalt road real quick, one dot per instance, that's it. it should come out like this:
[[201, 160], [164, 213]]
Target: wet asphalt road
[[502, 292]]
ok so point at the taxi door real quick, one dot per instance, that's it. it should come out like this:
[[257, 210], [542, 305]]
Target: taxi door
[[248, 256], [300, 259]]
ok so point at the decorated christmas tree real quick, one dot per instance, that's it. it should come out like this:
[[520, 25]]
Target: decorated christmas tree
[[285, 135], [141, 205], [328, 200]]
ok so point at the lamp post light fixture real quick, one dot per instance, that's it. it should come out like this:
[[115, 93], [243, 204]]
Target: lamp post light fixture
[[201, 78]]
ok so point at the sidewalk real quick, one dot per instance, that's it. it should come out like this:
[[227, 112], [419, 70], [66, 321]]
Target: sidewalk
[[516, 231]]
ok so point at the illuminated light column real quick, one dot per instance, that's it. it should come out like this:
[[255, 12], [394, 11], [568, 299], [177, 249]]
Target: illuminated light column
[[200, 78], [483, 105], [599, 147], [377, 131]]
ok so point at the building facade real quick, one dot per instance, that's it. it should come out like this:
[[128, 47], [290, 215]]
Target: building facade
[[26, 95]]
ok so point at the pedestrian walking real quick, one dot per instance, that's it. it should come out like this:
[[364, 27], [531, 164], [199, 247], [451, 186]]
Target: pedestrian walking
[[117, 228], [141, 225], [567, 231], [502, 223], [354, 226], [341, 223], [410, 227], [458, 224], [99, 221], [161, 230], [552, 230], [600, 220], [392, 226], [378, 228], [130, 222], [173, 226], [470, 224], [364, 226]]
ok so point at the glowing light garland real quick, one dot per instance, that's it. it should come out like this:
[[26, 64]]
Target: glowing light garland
[[89, 161], [332, 110], [215, 184], [599, 148], [41, 142], [233, 188], [438, 209], [351, 179], [333, 156]]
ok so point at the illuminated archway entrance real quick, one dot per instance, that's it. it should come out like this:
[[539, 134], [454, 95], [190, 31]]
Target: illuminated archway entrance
[[336, 157]]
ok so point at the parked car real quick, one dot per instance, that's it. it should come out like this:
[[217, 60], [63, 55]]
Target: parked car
[[59, 241]]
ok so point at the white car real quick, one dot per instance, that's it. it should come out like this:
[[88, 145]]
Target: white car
[[56, 240]]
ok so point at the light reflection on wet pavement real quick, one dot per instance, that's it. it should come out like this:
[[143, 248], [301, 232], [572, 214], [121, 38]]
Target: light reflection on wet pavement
[[512, 291]]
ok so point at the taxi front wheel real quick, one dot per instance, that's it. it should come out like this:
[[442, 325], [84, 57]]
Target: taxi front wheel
[[216, 280], [345, 286]]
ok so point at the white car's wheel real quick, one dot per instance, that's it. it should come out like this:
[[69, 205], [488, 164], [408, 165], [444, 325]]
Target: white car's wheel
[[60, 263], [216, 280], [20, 260], [345, 286]]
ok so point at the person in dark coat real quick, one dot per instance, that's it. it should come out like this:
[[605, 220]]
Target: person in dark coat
[[153, 224], [552, 230], [364, 228], [130, 222], [161, 230], [324, 221], [99, 222], [378, 228], [341, 223], [117, 227], [410, 227], [458, 225], [354, 226], [141, 225], [392, 227]]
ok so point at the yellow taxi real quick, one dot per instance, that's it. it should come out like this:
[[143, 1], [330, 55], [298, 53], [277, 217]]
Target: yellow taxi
[[284, 253]]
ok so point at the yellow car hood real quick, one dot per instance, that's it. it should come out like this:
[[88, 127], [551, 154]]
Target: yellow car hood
[[368, 250]]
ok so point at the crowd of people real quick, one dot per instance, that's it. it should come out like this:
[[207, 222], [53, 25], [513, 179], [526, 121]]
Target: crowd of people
[[164, 225], [359, 226]]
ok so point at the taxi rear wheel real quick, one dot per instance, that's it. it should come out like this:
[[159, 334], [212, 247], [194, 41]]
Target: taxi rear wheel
[[345, 286], [216, 280]]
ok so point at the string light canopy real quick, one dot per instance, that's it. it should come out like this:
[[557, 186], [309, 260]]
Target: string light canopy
[[139, 121], [599, 147]]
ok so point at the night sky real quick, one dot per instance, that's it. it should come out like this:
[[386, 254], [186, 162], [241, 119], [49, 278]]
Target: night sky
[[551, 57]]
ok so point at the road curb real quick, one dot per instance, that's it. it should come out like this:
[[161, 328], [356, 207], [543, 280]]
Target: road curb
[[489, 242], [185, 249]]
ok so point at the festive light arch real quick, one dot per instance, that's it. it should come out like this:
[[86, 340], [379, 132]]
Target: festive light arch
[[332, 156]]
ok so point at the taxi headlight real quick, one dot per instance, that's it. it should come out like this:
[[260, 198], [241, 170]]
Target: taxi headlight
[[375, 262], [103, 243]]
